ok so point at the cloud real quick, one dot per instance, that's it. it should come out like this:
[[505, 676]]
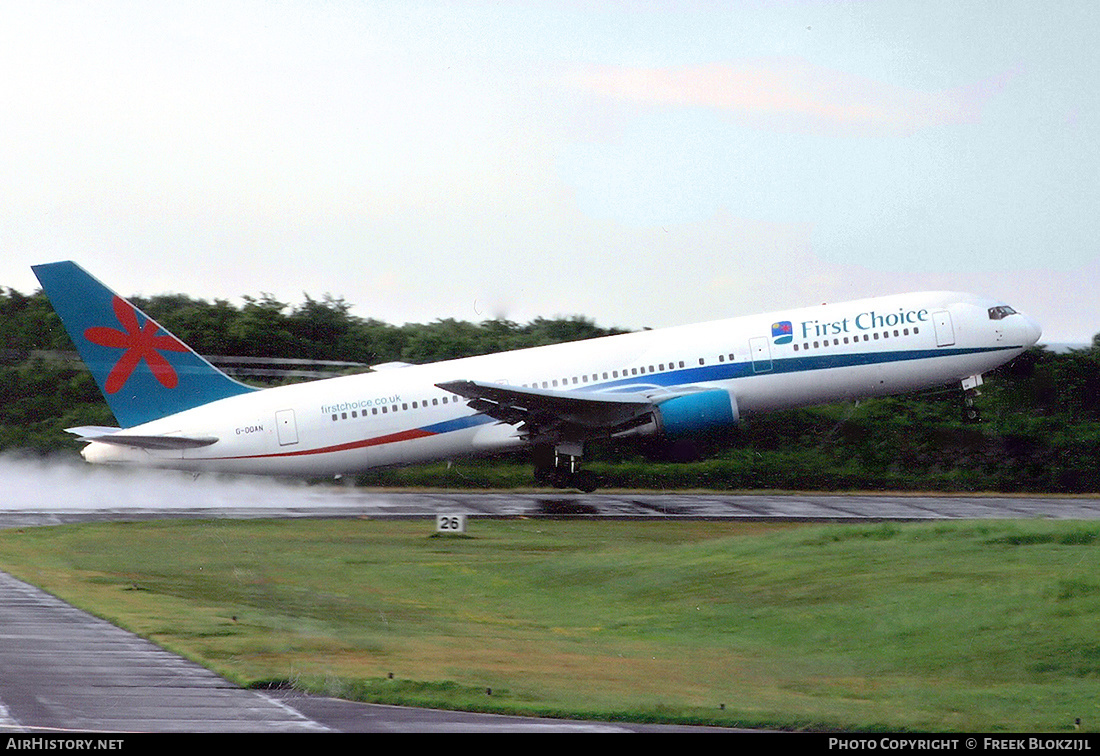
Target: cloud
[[790, 93]]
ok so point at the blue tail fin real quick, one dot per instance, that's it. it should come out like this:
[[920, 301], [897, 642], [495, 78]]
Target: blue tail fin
[[144, 372]]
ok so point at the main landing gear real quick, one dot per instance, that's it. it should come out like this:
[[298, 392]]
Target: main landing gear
[[560, 467]]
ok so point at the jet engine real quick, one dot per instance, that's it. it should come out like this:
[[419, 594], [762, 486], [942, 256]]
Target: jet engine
[[697, 412]]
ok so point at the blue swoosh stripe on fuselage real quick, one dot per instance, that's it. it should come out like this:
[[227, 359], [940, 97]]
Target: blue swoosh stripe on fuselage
[[457, 424], [828, 361], [732, 370]]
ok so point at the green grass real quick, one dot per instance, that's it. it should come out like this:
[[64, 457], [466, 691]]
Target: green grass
[[959, 626]]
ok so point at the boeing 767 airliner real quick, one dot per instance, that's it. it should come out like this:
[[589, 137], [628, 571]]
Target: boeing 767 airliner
[[177, 410]]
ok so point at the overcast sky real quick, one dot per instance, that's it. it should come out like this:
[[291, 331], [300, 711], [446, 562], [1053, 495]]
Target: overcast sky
[[640, 163]]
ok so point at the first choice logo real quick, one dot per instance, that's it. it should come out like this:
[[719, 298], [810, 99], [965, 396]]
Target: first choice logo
[[865, 321]]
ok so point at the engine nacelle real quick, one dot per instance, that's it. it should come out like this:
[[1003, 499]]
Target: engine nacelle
[[701, 411]]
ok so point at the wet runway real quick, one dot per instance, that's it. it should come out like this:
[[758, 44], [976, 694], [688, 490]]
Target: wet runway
[[63, 670], [326, 501]]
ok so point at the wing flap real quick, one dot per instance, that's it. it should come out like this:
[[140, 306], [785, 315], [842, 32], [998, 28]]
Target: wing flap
[[541, 412]]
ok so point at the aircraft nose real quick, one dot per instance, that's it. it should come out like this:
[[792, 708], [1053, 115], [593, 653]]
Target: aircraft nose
[[1030, 329]]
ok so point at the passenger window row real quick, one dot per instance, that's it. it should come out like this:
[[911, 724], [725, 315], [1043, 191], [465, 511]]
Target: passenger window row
[[838, 341], [387, 409], [624, 373], [547, 384], [605, 375]]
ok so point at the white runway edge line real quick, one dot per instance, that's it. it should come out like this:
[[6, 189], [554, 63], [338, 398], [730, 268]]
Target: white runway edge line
[[7, 723], [65, 670], [294, 714]]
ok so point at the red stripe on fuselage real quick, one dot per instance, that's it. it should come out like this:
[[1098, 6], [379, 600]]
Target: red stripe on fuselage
[[392, 438]]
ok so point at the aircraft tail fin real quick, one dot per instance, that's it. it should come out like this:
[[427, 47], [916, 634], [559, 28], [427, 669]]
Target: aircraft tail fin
[[144, 372]]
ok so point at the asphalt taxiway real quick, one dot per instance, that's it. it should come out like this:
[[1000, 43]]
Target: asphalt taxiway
[[64, 670]]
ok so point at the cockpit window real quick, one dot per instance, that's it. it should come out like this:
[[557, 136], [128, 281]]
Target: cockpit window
[[1000, 312]]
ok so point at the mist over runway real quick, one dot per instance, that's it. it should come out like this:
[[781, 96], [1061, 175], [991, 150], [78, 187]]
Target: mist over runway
[[49, 492]]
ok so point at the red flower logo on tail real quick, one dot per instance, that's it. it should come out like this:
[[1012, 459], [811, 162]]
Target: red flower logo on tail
[[142, 344]]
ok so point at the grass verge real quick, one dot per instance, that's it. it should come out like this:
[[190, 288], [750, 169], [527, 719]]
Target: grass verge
[[965, 626]]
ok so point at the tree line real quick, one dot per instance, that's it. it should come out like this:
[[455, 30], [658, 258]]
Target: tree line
[[1039, 429]]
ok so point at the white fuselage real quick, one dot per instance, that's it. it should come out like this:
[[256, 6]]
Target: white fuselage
[[870, 347]]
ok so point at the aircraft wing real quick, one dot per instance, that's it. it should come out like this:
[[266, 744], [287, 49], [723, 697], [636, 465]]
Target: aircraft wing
[[548, 415], [106, 435]]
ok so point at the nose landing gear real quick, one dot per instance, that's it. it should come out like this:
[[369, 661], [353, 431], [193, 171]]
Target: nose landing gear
[[970, 411]]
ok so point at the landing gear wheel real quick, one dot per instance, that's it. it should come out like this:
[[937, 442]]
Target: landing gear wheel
[[970, 411], [560, 467], [561, 478], [586, 481], [583, 480], [544, 475]]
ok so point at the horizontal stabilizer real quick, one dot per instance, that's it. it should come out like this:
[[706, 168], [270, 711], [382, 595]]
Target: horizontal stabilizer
[[104, 435], [90, 431]]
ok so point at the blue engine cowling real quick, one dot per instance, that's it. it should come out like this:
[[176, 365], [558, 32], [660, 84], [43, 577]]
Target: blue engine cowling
[[701, 411]]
